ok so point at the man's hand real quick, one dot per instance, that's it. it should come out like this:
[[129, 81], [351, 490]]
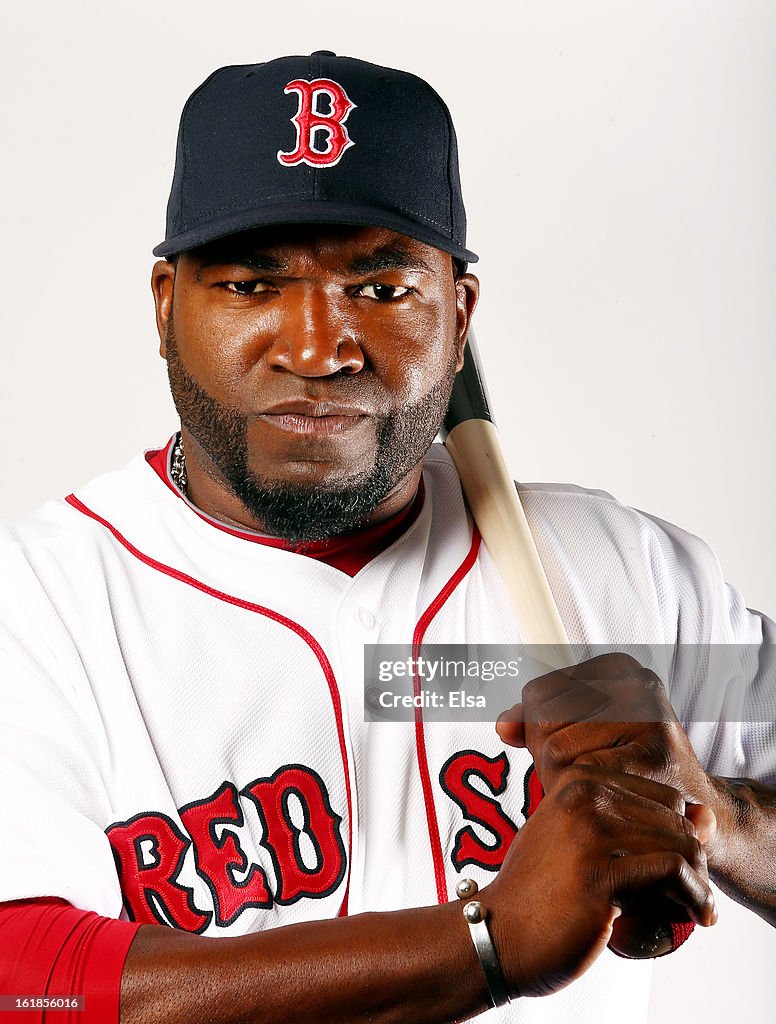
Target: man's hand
[[598, 840], [612, 713]]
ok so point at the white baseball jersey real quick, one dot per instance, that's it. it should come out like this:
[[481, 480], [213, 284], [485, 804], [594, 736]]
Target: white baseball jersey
[[182, 707]]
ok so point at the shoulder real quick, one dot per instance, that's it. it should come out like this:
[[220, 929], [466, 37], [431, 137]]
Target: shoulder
[[567, 515], [597, 526], [591, 515], [52, 559], [616, 572], [59, 523]]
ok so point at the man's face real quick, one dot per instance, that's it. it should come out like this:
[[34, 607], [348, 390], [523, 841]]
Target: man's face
[[311, 368]]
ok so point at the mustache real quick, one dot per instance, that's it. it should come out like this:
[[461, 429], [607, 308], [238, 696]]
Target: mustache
[[365, 393]]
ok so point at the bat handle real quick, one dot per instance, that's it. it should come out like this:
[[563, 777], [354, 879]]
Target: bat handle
[[495, 505]]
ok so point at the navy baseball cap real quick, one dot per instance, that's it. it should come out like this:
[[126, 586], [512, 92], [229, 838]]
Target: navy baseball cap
[[318, 139]]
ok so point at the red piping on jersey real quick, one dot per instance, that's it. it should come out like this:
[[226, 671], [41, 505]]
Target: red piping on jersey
[[300, 631], [420, 739]]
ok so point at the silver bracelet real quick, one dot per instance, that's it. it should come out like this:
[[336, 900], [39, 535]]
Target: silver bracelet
[[476, 915]]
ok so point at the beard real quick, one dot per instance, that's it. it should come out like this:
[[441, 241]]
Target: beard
[[293, 511]]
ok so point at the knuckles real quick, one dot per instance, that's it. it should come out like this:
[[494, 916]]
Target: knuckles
[[556, 750], [580, 793], [695, 855], [677, 866]]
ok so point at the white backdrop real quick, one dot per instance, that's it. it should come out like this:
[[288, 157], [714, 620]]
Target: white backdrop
[[618, 162]]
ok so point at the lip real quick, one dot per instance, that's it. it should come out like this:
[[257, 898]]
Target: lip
[[304, 417]]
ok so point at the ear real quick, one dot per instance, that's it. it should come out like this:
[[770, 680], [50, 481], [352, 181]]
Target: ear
[[162, 286], [467, 292]]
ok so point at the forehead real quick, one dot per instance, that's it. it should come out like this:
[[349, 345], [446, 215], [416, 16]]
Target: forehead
[[333, 247]]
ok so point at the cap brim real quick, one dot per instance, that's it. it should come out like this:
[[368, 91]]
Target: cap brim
[[313, 212]]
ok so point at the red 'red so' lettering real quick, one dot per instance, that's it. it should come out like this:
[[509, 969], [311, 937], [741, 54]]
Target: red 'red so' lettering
[[455, 777], [149, 851], [218, 859], [301, 832], [320, 872]]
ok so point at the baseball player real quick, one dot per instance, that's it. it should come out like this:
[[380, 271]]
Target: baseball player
[[185, 752]]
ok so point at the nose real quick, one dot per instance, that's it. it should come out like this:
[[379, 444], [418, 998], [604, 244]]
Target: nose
[[314, 339]]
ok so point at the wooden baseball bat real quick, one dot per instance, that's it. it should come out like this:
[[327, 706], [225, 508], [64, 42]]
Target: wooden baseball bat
[[648, 928], [472, 440]]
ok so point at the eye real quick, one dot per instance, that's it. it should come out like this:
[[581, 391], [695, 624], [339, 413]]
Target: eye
[[247, 287], [383, 292]]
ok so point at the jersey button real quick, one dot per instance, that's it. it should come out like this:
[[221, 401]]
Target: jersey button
[[365, 617]]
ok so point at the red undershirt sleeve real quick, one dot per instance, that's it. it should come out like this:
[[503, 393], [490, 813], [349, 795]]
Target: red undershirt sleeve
[[48, 948]]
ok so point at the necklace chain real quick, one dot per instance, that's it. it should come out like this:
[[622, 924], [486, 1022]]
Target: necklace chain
[[178, 465]]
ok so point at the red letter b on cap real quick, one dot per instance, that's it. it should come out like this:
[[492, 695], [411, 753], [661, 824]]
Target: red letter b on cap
[[311, 123]]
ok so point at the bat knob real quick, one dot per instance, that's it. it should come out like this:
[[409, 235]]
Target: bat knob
[[650, 927]]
